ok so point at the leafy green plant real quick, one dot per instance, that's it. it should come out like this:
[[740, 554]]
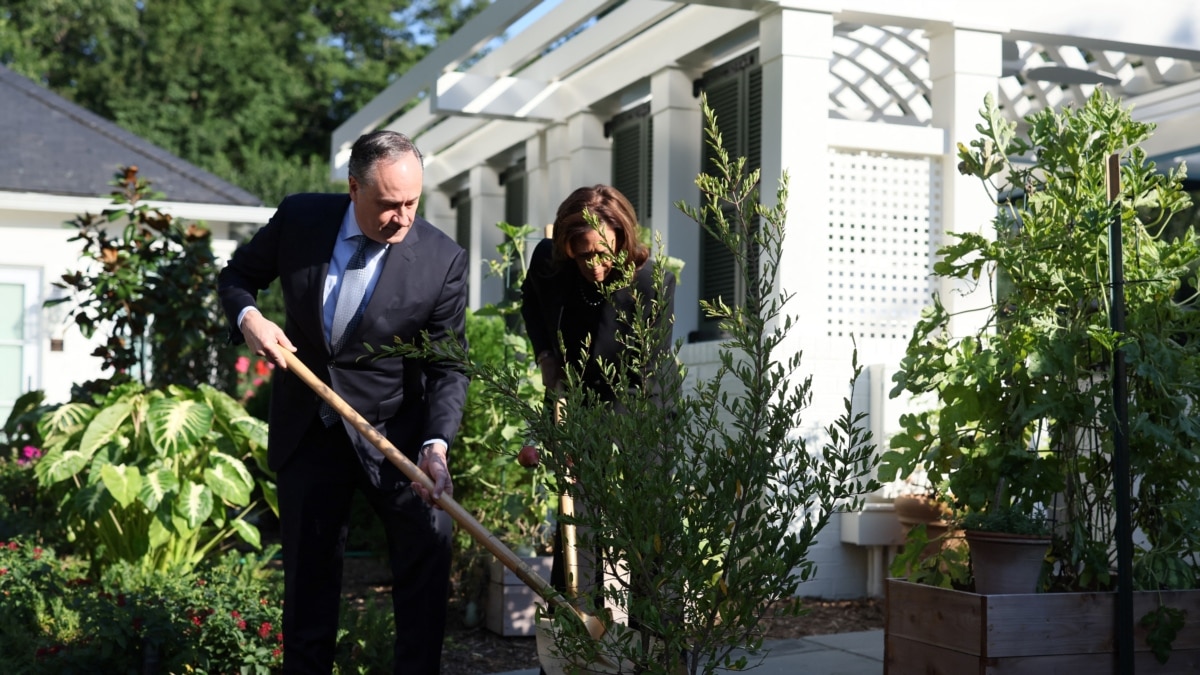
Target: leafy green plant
[[1012, 521], [1024, 405], [155, 477], [151, 289], [737, 492], [223, 617]]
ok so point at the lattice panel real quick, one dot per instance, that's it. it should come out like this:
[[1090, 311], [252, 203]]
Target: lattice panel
[[885, 222]]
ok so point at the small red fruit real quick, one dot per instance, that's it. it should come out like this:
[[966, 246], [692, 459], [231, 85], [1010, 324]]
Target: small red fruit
[[529, 456]]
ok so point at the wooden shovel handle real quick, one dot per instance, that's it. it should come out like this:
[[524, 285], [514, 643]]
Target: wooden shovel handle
[[446, 502]]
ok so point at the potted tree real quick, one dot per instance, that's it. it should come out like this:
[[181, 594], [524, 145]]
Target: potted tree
[[1020, 425]]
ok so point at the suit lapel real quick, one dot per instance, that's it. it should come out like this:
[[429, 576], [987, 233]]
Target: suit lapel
[[393, 280], [328, 217]]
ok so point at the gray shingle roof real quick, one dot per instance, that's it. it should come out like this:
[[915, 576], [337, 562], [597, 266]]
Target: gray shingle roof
[[53, 146]]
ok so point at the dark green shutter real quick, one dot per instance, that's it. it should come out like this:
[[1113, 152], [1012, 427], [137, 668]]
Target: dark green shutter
[[462, 219], [632, 158], [515, 205], [734, 92]]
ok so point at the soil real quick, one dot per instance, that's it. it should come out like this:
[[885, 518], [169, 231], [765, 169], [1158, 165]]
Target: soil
[[477, 651]]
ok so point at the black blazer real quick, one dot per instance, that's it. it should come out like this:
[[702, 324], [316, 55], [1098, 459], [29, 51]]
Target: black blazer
[[422, 287], [553, 290]]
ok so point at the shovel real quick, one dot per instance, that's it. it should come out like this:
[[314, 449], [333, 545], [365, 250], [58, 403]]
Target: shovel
[[592, 624]]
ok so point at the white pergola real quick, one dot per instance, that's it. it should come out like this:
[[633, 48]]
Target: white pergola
[[471, 104], [863, 102]]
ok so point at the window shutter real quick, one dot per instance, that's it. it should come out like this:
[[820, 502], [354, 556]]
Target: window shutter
[[462, 219], [734, 92], [515, 205], [632, 158], [718, 271]]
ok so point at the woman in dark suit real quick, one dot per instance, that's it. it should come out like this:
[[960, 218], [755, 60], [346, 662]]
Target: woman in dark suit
[[585, 286], [582, 285]]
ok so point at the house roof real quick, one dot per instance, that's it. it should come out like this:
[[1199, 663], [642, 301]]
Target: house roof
[[53, 146]]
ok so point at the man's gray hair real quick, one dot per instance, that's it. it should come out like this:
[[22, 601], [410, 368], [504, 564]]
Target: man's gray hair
[[377, 146]]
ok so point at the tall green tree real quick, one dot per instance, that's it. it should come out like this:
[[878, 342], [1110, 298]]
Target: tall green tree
[[248, 89]]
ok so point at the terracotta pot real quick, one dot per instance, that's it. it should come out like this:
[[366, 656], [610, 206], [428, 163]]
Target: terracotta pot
[[1006, 563], [914, 509]]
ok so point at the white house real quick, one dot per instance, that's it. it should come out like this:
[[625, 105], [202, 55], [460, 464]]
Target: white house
[[58, 159], [860, 101]]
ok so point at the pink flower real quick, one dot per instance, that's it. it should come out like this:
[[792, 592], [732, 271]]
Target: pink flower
[[242, 365], [31, 453]]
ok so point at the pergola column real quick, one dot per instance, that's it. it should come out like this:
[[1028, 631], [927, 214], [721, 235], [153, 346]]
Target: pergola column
[[438, 210], [964, 66], [795, 49], [590, 153], [539, 210], [677, 126], [487, 209]]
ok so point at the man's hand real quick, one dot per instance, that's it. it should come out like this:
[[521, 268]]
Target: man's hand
[[264, 338], [432, 461]]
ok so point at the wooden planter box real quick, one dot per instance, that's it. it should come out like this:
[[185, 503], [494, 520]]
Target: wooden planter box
[[510, 603], [934, 631]]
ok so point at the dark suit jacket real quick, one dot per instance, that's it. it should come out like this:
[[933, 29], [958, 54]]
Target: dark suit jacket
[[549, 287], [422, 287]]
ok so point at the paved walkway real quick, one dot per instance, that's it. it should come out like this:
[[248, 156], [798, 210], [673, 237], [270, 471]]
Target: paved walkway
[[841, 654]]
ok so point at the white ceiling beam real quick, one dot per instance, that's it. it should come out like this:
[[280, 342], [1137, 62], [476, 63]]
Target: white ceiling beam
[[508, 57], [606, 36], [490, 23], [608, 71], [494, 97]]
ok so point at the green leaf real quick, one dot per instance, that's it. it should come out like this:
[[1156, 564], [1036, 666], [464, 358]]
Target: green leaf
[[156, 485], [248, 533], [59, 465], [159, 534], [176, 425], [229, 479], [194, 505], [93, 501], [104, 427], [124, 482], [253, 432], [64, 421]]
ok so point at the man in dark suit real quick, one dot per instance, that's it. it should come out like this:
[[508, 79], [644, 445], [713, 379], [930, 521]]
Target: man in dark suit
[[397, 276]]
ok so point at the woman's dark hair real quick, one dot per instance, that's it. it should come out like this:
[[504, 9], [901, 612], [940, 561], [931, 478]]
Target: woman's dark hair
[[610, 207]]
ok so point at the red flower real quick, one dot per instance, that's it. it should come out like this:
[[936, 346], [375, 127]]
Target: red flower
[[120, 599], [197, 620], [37, 552], [241, 624], [12, 545], [262, 601], [3, 571], [234, 613], [263, 367], [279, 638], [276, 652], [264, 630]]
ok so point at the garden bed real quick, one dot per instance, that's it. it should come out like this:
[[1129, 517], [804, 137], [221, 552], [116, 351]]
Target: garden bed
[[936, 631]]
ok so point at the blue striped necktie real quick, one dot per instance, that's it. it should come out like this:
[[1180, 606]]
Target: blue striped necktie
[[349, 309]]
